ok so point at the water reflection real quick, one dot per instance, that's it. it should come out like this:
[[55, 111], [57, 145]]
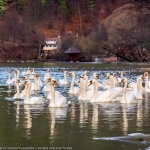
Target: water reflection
[[17, 113], [73, 112], [139, 121], [95, 119], [125, 120], [27, 121], [56, 114], [83, 114]]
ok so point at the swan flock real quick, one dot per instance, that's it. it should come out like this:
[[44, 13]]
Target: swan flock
[[112, 89]]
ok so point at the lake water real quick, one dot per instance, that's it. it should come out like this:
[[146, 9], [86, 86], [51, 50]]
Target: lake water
[[74, 127]]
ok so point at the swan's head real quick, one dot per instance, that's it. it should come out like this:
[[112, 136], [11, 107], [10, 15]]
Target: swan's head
[[85, 72], [141, 77], [15, 71], [53, 82], [80, 78], [65, 72], [114, 74], [92, 82], [96, 76], [123, 73], [109, 75], [72, 74], [125, 80], [146, 74], [9, 72], [38, 75], [25, 78], [18, 81]]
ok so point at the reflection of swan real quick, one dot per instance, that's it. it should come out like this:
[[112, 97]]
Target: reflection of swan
[[139, 121], [81, 121], [56, 101], [18, 95], [73, 112], [32, 100], [64, 81], [83, 113], [95, 118], [56, 114], [28, 120], [125, 120], [73, 90], [17, 113]]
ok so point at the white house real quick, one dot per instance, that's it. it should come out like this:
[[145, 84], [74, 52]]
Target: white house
[[51, 45]]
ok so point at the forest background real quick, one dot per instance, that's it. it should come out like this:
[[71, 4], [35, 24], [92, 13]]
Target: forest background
[[96, 27]]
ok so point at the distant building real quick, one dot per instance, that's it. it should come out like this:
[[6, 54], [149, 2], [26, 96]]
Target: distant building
[[51, 46], [73, 54]]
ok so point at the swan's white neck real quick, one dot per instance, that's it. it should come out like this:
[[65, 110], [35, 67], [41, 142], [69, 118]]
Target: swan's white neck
[[71, 91], [52, 102], [139, 88], [85, 85], [18, 92], [28, 91], [146, 83], [81, 89], [95, 91], [36, 84], [124, 92], [9, 76], [65, 79], [112, 82]]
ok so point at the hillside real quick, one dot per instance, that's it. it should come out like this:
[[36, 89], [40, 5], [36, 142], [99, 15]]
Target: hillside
[[86, 24]]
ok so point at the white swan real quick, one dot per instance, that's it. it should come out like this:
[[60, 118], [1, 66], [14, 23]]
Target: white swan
[[24, 72], [47, 75], [9, 81], [32, 100], [28, 72], [104, 96], [33, 72], [147, 89], [73, 90], [40, 84], [57, 102], [47, 88], [18, 95], [81, 81], [138, 91], [127, 97], [122, 76], [57, 93], [64, 81]]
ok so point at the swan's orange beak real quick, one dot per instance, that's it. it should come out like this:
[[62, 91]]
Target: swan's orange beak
[[90, 83], [70, 74]]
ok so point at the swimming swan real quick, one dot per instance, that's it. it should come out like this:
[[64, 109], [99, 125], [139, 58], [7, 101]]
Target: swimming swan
[[56, 102], [73, 90], [64, 81], [32, 100]]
